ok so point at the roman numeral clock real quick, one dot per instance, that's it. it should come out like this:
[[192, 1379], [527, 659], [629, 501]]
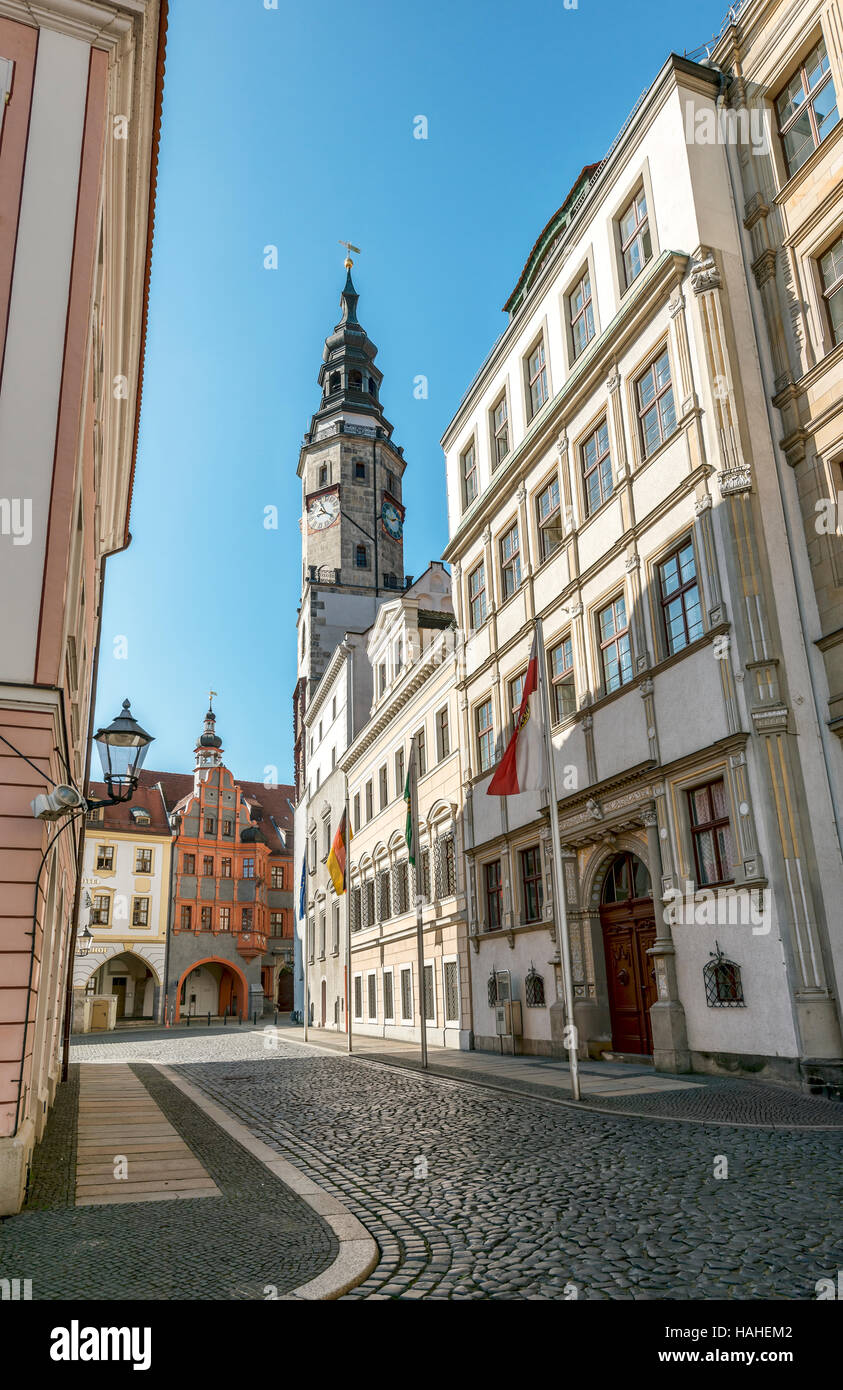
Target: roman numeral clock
[[323, 510]]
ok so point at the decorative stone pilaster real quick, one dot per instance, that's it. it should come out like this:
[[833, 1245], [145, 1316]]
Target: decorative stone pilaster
[[667, 1016]]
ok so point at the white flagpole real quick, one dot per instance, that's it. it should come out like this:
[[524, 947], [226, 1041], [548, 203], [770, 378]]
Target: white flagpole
[[348, 985], [306, 950], [414, 821], [559, 900]]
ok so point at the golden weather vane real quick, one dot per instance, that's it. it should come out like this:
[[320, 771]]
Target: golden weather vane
[[348, 250], [211, 694]]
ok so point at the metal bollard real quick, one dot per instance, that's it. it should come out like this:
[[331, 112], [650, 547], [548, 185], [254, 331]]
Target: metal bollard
[[209, 1018], [276, 1018], [225, 1018], [188, 1020]]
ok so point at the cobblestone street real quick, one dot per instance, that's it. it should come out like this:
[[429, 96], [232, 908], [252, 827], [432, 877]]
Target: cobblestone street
[[474, 1193]]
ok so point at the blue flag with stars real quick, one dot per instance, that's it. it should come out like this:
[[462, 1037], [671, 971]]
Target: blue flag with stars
[[303, 888]]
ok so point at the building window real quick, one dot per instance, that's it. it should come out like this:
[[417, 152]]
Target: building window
[[189, 864], [636, 242], [140, 912], [228, 827], [485, 727], [186, 917], [388, 998], [323, 474], [831, 271], [208, 866], [711, 833], [105, 858], [581, 313], [406, 994], [248, 868], [494, 895], [723, 985], [361, 557], [468, 474], [358, 998], [510, 562], [421, 875], [615, 650], [143, 861], [807, 108], [359, 471], [326, 837], [372, 996], [276, 924], [356, 909], [549, 516], [205, 918], [656, 411], [381, 678], [384, 896], [390, 483], [225, 868], [335, 929], [101, 910], [369, 903], [679, 596], [450, 976], [210, 826], [356, 812], [429, 995], [399, 772], [446, 864], [383, 786], [533, 989], [443, 734], [401, 888], [596, 462], [531, 883], [370, 800], [537, 378], [321, 936], [225, 919], [421, 752], [477, 596], [500, 432], [246, 919], [277, 876], [561, 671]]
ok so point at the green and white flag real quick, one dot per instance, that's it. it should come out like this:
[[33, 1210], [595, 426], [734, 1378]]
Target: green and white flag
[[410, 832]]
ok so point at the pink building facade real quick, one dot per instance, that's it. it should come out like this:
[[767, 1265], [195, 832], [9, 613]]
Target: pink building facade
[[80, 98]]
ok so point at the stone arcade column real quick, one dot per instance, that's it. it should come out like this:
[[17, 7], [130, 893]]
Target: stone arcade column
[[667, 1016]]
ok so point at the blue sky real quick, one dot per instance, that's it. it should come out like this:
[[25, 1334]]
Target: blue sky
[[293, 127]]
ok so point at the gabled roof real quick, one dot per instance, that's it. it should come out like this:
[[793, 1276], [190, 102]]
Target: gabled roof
[[273, 804]]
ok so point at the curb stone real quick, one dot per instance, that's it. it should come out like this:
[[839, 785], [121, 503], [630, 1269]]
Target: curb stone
[[358, 1252]]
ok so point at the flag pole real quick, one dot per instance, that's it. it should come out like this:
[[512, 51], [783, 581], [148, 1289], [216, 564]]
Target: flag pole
[[347, 872], [305, 953], [559, 901], [412, 776]]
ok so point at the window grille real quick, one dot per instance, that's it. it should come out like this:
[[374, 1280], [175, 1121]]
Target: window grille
[[492, 990], [534, 989], [452, 992], [429, 1002], [723, 985], [384, 904], [356, 897], [387, 995], [372, 987], [407, 994], [421, 876], [358, 996]]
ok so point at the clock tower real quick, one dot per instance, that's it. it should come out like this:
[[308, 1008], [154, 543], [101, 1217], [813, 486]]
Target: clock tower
[[352, 518]]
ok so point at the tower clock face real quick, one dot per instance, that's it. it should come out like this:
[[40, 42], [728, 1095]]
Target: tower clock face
[[323, 511], [392, 519]]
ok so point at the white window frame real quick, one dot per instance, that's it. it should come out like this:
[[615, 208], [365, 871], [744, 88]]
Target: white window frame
[[371, 975], [431, 966], [388, 970], [401, 969], [451, 1022], [357, 1017]]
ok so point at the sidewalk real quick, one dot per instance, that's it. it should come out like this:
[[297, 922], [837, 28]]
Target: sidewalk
[[625, 1088]]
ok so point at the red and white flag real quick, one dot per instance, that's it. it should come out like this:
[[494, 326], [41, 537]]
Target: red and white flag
[[522, 767]]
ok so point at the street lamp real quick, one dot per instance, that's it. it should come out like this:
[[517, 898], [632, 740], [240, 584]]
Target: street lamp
[[122, 748], [84, 941]]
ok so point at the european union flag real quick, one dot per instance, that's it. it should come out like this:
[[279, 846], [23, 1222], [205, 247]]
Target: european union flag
[[303, 888]]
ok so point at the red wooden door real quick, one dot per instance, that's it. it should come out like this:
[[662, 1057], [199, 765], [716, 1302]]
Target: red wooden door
[[629, 929]]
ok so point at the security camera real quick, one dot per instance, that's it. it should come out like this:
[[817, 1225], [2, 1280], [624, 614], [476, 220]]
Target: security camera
[[57, 803]]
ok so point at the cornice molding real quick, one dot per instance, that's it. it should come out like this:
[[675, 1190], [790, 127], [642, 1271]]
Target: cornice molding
[[102, 26]]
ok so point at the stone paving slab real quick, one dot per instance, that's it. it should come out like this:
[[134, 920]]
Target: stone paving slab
[[257, 1240], [117, 1111]]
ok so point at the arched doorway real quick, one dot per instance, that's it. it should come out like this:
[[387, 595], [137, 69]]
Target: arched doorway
[[212, 986], [131, 979], [629, 930]]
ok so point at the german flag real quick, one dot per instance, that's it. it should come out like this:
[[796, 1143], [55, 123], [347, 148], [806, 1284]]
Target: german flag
[[336, 859]]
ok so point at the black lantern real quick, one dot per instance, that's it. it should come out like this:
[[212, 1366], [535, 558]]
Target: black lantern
[[84, 941], [122, 748]]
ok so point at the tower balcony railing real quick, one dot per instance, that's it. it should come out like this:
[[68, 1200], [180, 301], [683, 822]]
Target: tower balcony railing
[[327, 574], [361, 431]]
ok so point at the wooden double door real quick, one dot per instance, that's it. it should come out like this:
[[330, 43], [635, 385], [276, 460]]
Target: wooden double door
[[629, 930]]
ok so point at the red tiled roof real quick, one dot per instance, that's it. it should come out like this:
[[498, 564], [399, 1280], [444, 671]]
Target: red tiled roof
[[274, 802]]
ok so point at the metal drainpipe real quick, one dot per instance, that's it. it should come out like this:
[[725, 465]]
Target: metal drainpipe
[[797, 586], [173, 852]]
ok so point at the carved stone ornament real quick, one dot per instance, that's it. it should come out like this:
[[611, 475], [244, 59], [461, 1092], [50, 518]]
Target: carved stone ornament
[[704, 272], [676, 305], [702, 504], [613, 382], [594, 809]]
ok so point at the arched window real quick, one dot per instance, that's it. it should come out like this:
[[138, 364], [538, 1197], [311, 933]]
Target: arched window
[[534, 989], [723, 985], [355, 381], [335, 382], [627, 878]]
